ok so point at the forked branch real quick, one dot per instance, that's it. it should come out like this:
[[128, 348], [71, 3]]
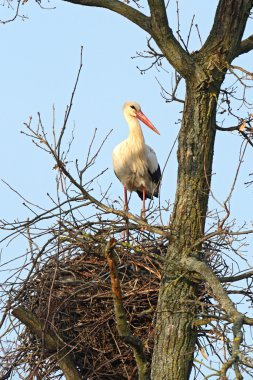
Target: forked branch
[[227, 30], [156, 25], [120, 314]]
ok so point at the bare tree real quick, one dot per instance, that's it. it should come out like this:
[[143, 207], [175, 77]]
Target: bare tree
[[195, 312]]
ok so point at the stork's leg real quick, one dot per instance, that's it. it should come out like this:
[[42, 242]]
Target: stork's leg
[[143, 211], [125, 234], [125, 199]]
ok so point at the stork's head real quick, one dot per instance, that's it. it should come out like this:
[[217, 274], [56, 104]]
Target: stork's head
[[133, 110]]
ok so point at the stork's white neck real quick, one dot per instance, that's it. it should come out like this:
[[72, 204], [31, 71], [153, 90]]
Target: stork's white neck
[[135, 132]]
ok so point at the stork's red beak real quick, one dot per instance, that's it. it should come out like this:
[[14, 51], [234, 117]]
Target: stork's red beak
[[140, 115]]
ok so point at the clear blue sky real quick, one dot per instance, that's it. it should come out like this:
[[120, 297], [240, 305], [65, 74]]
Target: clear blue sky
[[40, 57], [39, 62]]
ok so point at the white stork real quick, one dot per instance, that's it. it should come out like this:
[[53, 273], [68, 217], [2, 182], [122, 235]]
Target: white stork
[[135, 163]]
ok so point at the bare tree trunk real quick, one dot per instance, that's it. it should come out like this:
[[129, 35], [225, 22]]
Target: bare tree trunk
[[175, 338]]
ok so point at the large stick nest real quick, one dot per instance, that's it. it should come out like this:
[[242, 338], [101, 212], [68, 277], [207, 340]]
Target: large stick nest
[[71, 295]]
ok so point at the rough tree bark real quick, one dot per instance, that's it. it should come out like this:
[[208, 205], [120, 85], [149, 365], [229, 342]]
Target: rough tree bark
[[204, 73], [175, 335]]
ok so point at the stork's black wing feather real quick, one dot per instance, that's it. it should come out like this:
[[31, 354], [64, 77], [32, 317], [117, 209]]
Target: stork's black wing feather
[[156, 175], [156, 178], [140, 194]]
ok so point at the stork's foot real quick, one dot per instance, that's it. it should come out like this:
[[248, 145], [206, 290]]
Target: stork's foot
[[143, 210], [143, 216], [125, 234]]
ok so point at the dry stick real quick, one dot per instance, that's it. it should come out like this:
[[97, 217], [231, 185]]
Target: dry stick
[[15, 15], [163, 170], [120, 314], [58, 146], [227, 200], [234, 67], [219, 232], [239, 277], [180, 38], [51, 341], [229, 129], [246, 137], [194, 265], [34, 263]]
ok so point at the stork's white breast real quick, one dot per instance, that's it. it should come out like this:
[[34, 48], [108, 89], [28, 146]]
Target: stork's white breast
[[132, 165]]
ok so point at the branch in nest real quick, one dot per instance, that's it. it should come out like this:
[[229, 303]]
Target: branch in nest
[[120, 314], [7, 374], [51, 341]]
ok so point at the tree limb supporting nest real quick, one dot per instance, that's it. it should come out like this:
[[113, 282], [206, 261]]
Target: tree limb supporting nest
[[52, 342]]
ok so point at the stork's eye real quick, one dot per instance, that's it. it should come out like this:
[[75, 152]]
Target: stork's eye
[[133, 107]]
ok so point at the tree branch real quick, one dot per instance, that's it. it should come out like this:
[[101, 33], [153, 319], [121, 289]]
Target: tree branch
[[156, 25], [246, 46], [51, 341], [123, 9], [194, 265], [228, 129], [120, 314], [164, 37], [86, 195], [239, 277], [108, 209], [228, 28]]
